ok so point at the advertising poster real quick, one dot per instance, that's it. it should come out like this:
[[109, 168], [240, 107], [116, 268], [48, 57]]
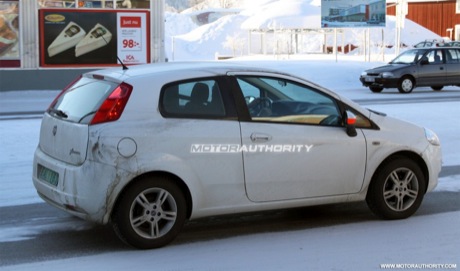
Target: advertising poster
[[353, 13], [92, 38], [9, 34], [132, 41]]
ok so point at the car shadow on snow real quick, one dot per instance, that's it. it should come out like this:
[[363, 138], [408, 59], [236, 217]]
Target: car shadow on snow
[[227, 226]]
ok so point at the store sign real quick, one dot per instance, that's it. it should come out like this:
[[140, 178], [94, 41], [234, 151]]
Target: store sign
[[131, 43], [93, 37], [353, 13]]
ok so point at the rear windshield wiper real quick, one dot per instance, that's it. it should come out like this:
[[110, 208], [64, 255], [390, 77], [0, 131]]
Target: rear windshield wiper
[[59, 113]]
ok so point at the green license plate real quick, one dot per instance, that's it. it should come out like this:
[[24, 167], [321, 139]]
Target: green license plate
[[47, 175]]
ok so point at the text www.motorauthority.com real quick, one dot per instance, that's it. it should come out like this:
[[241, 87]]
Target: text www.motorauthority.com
[[417, 266]]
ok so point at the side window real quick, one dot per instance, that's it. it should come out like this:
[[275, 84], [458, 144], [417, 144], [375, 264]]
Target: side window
[[279, 100], [435, 57], [453, 56], [192, 99]]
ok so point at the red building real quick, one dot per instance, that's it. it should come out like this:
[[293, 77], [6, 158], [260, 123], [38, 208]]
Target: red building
[[442, 17]]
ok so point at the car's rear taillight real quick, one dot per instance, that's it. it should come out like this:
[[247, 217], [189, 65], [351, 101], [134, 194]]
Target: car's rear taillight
[[112, 108]]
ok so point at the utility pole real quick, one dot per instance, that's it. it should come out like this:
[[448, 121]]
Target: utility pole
[[157, 34], [401, 12]]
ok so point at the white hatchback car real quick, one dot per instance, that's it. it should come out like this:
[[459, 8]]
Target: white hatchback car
[[147, 148]]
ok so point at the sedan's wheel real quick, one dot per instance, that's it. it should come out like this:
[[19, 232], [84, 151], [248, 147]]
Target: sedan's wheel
[[406, 84], [437, 88], [150, 213], [376, 89], [397, 189]]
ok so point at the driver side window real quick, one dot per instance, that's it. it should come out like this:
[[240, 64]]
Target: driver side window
[[278, 100]]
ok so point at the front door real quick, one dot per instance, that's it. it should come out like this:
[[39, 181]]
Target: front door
[[295, 145]]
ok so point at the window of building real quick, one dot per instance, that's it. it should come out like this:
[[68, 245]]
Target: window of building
[[9, 34]]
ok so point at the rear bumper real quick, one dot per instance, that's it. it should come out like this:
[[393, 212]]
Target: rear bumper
[[79, 191]]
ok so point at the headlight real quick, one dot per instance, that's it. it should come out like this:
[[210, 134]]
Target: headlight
[[387, 74], [363, 73], [432, 137]]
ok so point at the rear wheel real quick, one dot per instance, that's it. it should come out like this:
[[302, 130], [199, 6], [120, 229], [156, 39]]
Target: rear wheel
[[406, 84], [376, 89], [150, 213], [397, 189], [437, 88]]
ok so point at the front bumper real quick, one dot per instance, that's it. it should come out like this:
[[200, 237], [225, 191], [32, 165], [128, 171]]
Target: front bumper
[[373, 81], [433, 157]]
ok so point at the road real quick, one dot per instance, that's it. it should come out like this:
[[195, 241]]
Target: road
[[54, 234]]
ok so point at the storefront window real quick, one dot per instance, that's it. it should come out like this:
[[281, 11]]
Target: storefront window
[[56, 4], [9, 34], [119, 4]]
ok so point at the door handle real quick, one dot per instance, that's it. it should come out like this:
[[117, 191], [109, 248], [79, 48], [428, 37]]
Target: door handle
[[258, 137]]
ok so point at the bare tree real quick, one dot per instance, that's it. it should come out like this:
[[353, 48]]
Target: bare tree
[[235, 43]]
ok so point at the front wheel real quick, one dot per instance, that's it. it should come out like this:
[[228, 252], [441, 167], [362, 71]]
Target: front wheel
[[406, 84], [150, 213], [397, 189]]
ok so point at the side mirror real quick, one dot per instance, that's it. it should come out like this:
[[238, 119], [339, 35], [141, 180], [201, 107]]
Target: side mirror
[[350, 123], [424, 61]]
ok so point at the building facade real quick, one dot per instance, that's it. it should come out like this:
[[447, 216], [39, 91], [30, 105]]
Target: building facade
[[441, 17], [73, 33]]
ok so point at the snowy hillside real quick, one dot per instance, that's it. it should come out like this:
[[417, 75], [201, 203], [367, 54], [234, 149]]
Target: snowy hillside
[[230, 35]]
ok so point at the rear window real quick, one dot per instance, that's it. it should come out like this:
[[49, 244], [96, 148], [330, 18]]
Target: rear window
[[80, 102], [453, 56]]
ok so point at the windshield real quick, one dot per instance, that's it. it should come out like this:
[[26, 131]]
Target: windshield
[[408, 57]]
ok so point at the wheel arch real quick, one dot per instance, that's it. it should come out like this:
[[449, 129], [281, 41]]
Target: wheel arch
[[408, 75], [152, 174], [410, 155]]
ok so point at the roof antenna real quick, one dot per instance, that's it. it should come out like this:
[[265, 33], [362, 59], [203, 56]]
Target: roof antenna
[[119, 60], [123, 65]]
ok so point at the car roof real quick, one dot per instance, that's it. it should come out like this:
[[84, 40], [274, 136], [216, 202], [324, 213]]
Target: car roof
[[209, 68], [433, 48], [173, 71]]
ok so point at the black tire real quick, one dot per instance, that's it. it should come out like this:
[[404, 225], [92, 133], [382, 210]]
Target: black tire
[[397, 189], [406, 84], [376, 89], [437, 88], [150, 213]]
